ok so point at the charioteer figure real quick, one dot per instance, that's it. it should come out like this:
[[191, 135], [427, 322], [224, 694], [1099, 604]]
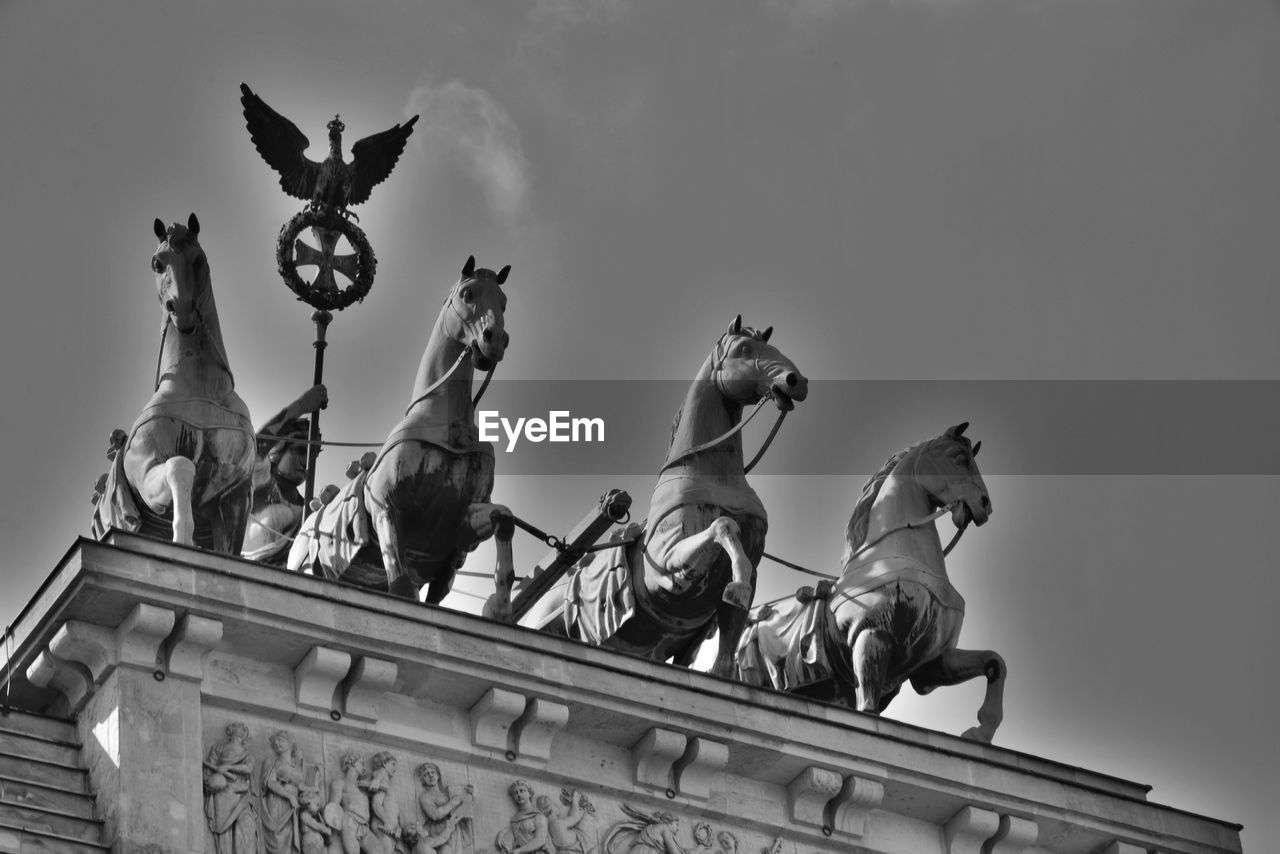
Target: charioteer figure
[[276, 509]]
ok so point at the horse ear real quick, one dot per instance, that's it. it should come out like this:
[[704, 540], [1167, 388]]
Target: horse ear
[[976, 448], [957, 431], [159, 229], [502, 274], [736, 326], [764, 336], [469, 269], [193, 225]]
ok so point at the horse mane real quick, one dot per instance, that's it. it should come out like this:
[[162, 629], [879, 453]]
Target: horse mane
[[856, 533]]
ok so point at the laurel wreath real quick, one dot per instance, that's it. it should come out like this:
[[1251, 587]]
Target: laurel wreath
[[366, 263]]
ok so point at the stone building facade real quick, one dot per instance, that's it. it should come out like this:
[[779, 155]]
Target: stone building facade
[[224, 706]]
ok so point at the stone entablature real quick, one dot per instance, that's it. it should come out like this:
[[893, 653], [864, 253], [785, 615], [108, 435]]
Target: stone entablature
[[157, 649]]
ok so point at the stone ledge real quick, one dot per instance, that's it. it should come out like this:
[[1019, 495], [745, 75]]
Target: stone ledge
[[438, 665]]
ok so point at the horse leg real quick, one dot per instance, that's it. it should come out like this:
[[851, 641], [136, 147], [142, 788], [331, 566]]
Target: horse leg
[[398, 581], [170, 484], [494, 520], [231, 520], [871, 651], [732, 611], [954, 666]]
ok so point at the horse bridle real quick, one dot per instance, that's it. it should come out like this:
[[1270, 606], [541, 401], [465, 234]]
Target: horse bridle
[[721, 354], [466, 351], [916, 523], [200, 326]]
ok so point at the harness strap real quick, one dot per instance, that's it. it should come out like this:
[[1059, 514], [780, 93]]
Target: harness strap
[[705, 446], [914, 523], [435, 385], [475, 401]]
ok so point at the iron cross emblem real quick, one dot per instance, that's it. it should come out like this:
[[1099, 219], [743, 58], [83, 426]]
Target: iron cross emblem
[[326, 259]]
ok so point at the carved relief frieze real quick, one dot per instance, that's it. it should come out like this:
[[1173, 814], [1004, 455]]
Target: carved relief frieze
[[304, 790]]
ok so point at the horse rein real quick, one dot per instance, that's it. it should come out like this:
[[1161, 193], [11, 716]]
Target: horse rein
[[431, 389], [200, 326], [721, 354]]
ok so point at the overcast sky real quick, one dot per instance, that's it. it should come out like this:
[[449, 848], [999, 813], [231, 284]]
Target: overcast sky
[[910, 190]]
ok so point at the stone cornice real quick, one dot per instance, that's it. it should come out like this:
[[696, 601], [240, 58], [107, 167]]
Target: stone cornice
[[297, 648]]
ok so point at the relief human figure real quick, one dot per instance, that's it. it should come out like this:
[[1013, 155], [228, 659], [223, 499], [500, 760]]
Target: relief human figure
[[728, 842], [228, 794], [315, 834], [349, 793], [384, 821], [644, 833], [440, 807], [573, 832], [527, 832], [279, 779], [424, 842], [701, 839], [279, 468]]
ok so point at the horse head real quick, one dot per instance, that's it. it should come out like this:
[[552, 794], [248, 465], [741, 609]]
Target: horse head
[[747, 368], [182, 273], [476, 321], [947, 468]]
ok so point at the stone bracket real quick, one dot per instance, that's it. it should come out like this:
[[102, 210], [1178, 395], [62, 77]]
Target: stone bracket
[[143, 632], [1118, 847], [969, 829], [859, 794], [69, 678], [81, 655], [316, 678], [1015, 836], [190, 645], [810, 792], [654, 757], [517, 726], [87, 644], [537, 728], [492, 717], [698, 767], [365, 687]]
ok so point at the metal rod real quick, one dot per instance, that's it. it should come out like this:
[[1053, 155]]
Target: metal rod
[[321, 319]]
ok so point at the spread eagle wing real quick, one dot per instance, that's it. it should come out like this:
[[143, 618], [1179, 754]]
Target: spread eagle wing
[[281, 144], [373, 158]]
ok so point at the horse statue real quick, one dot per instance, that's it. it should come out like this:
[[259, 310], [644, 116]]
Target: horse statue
[[184, 471], [893, 614], [411, 518], [693, 569]]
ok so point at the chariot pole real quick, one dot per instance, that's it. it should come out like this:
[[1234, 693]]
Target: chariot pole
[[321, 319]]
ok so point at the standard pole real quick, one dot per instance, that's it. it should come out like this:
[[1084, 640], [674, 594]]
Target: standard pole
[[321, 319]]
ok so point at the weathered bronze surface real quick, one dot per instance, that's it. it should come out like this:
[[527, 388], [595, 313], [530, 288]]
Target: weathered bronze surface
[[332, 183], [184, 470], [893, 614], [691, 569], [412, 517]]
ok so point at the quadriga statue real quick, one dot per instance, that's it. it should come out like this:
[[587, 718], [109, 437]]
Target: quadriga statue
[[412, 517], [184, 470], [693, 569], [893, 614]]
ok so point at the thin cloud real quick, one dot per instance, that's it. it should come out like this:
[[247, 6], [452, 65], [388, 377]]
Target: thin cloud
[[563, 14], [468, 128]]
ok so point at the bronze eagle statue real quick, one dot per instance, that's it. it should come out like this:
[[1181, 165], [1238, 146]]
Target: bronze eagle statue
[[333, 183]]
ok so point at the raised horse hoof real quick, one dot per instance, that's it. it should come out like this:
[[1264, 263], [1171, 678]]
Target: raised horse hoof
[[974, 733], [738, 594]]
